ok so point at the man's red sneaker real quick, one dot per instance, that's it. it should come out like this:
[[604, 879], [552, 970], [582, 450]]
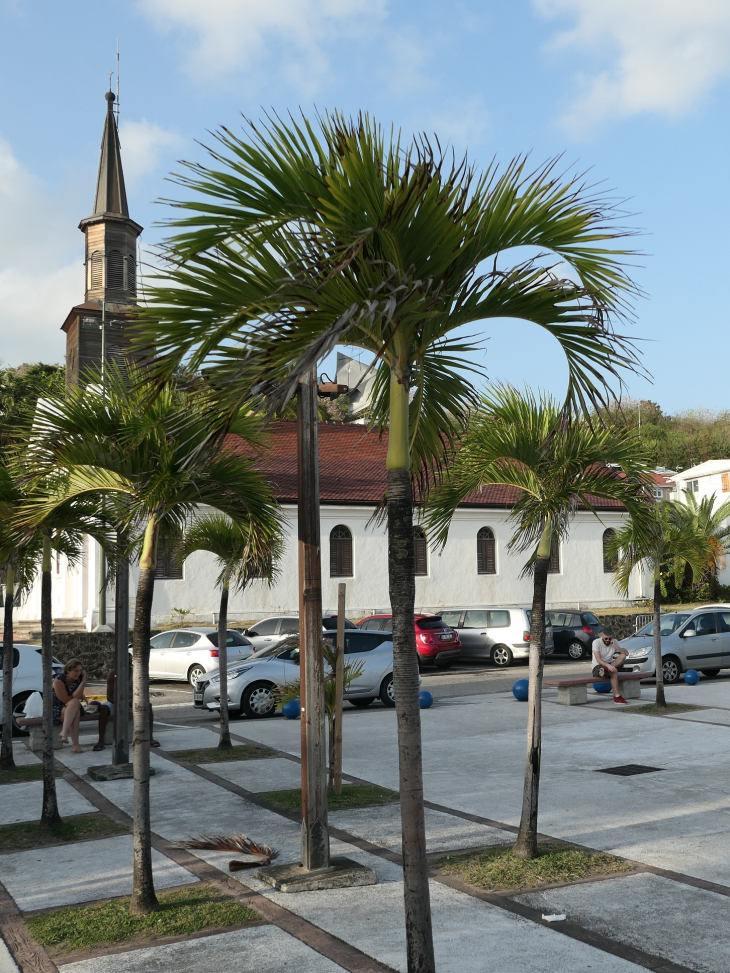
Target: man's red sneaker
[[620, 699]]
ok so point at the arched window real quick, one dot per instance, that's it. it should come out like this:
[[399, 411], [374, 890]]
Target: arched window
[[420, 552], [130, 276], [609, 563], [486, 561], [554, 566], [96, 270], [114, 270], [340, 552]]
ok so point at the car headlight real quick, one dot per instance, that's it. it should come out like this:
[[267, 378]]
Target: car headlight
[[235, 673], [638, 653]]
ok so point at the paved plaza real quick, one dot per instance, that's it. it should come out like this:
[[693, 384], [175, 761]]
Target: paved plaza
[[669, 914]]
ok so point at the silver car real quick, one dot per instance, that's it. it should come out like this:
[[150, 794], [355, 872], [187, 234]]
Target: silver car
[[697, 639], [252, 686], [495, 634], [186, 654], [272, 631]]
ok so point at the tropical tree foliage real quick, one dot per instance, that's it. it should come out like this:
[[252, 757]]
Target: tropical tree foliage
[[555, 466]]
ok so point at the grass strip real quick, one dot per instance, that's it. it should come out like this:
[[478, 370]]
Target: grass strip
[[651, 709], [23, 774], [79, 827], [498, 870], [353, 795], [212, 755], [181, 912]]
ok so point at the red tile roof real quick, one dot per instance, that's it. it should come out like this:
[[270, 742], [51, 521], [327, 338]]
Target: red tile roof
[[351, 467]]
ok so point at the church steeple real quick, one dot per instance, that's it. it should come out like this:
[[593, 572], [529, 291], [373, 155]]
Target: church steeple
[[111, 269], [111, 236]]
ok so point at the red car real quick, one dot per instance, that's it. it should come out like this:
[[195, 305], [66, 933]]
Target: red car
[[437, 644]]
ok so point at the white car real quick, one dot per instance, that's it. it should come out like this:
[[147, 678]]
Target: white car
[[186, 654], [27, 679], [496, 634], [252, 686]]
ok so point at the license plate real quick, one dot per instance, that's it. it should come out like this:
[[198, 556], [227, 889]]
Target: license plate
[[446, 638], [197, 697]]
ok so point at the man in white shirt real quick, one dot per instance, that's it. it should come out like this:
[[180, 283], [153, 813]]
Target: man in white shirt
[[609, 655]]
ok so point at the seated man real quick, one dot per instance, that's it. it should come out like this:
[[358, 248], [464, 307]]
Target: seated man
[[608, 657], [111, 695]]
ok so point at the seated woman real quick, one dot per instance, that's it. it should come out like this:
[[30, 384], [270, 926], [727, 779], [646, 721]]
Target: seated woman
[[68, 694]]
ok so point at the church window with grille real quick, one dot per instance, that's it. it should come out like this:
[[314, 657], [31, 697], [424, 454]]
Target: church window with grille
[[554, 566], [420, 552], [609, 563], [115, 270], [96, 270], [130, 274], [340, 552], [486, 560]]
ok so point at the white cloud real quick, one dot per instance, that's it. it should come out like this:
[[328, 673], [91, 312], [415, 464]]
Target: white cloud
[[231, 34], [142, 144], [659, 56], [41, 269]]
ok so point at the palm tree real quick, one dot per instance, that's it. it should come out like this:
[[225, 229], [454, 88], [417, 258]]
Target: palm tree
[[668, 536], [243, 555], [298, 240], [711, 524], [155, 454], [523, 441]]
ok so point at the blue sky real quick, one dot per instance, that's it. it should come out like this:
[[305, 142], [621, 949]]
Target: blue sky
[[634, 90]]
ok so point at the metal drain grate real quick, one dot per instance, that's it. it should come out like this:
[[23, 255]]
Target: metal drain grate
[[629, 770]]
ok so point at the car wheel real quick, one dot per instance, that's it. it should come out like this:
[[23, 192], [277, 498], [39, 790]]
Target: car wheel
[[259, 700], [502, 656], [710, 673], [18, 707], [576, 650], [387, 691], [362, 703], [194, 673], [672, 669]]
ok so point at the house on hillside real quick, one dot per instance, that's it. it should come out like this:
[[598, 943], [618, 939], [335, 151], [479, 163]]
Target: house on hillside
[[474, 568]]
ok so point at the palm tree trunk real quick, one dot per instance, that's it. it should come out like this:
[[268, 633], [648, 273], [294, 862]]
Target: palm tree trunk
[[143, 899], [225, 739], [402, 587], [49, 815], [6, 753], [660, 698], [526, 844]]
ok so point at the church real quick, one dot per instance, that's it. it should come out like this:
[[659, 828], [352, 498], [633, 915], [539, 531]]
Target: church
[[475, 568]]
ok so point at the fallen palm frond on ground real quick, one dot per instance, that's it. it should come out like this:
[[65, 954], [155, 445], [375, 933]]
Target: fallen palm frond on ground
[[240, 843]]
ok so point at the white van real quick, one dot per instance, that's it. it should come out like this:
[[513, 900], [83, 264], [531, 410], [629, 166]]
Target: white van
[[495, 634]]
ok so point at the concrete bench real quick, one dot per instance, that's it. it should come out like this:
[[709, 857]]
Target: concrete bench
[[35, 740], [573, 691]]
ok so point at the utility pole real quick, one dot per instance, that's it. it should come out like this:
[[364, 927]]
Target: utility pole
[[120, 751], [101, 624]]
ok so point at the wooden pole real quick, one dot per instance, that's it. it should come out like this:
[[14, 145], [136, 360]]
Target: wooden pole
[[120, 751], [339, 684], [315, 834]]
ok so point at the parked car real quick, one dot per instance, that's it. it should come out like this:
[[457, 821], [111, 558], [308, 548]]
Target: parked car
[[574, 632], [697, 639], [252, 686], [186, 654], [498, 635], [437, 643], [27, 679], [272, 631]]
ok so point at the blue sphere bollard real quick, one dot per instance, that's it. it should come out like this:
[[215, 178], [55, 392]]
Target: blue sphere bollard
[[521, 690], [602, 687], [425, 699], [691, 677], [292, 709]]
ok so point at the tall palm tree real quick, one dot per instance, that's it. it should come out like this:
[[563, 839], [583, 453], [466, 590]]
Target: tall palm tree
[[668, 536], [156, 456], [523, 441], [710, 523], [243, 555], [297, 240]]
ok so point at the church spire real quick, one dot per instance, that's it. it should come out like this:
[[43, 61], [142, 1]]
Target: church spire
[[111, 196]]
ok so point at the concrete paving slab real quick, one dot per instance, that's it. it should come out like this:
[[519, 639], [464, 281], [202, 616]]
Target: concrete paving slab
[[268, 774], [468, 934], [44, 878], [263, 949], [686, 925], [703, 716], [22, 756], [444, 832], [186, 738], [22, 802], [7, 963]]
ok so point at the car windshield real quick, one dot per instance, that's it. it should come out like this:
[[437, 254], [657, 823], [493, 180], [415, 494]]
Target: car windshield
[[329, 623], [548, 619], [274, 650], [667, 625]]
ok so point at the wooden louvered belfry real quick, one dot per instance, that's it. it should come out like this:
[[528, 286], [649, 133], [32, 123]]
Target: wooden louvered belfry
[[110, 269]]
